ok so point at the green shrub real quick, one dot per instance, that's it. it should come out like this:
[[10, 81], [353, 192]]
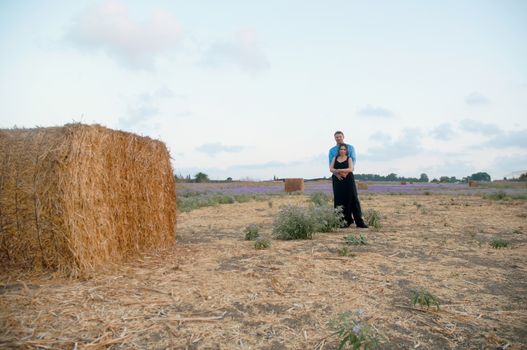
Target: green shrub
[[262, 243], [373, 218], [498, 243], [361, 240], [326, 218], [319, 198], [497, 196], [353, 330], [224, 199], [423, 297], [344, 251], [293, 222], [251, 232], [243, 198]]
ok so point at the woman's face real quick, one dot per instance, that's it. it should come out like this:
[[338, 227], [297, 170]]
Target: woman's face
[[342, 151]]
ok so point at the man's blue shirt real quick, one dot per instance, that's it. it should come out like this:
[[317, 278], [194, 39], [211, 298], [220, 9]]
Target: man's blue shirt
[[351, 153]]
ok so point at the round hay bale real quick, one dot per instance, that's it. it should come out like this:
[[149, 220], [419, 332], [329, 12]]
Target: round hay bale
[[77, 197], [294, 185], [362, 185], [473, 183], [403, 182]]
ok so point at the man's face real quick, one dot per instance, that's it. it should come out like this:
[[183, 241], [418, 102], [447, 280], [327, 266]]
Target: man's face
[[339, 138]]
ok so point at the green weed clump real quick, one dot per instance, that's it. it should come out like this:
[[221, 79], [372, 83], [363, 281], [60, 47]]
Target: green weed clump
[[344, 251], [189, 201], [351, 239], [503, 196], [423, 297], [243, 198], [373, 218], [295, 222], [251, 232], [319, 198], [354, 331], [497, 196], [326, 218], [498, 243], [262, 243]]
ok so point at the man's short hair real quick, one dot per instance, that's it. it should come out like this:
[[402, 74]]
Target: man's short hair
[[338, 132]]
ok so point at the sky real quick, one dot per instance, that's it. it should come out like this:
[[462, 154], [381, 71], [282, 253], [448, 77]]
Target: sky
[[256, 89]]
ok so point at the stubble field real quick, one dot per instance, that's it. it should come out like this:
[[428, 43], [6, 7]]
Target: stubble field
[[214, 290]]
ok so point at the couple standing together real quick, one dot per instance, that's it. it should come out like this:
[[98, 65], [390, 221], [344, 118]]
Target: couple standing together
[[341, 162]]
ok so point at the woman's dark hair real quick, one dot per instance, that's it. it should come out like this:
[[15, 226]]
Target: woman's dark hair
[[340, 146]]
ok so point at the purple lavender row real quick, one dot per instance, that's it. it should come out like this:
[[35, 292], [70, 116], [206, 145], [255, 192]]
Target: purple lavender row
[[311, 187]]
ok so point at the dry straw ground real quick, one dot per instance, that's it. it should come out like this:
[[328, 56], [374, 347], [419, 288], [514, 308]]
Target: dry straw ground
[[215, 291]]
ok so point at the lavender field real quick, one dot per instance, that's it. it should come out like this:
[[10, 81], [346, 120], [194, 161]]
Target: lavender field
[[276, 187]]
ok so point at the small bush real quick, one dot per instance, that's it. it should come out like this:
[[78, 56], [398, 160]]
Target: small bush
[[243, 198], [320, 198], [373, 218], [326, 218], [251, 232], [270, 204], [517, 231], [225, 199], [423, 297], [361, 240], [293, 222], [497, 196], [499, 243], [262, 243], [344, 251], [353, 330]]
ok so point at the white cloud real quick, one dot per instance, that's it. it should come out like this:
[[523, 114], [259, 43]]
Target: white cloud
[[476, 99], [476, 126], [146, 107], [215, 148], [372, 111], [243, 52], [517, 138], [442, 132], [408, 144], [509, 164], [109, 28]]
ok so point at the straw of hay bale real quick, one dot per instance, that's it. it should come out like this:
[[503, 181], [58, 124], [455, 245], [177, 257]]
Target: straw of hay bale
[[473, 184], [403, 182], [294, 185], [362, 185], [76, 197]]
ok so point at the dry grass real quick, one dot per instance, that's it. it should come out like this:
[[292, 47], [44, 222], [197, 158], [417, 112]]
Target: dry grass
[[215, 291], [294, 185], [76, 197]]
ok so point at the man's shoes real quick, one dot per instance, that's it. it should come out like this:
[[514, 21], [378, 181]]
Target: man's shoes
[[362, 225]]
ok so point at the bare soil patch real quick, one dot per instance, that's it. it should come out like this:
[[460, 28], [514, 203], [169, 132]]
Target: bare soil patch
[[215, 291]]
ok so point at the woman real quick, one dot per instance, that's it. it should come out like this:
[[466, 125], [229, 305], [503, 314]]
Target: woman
[[344, 190]]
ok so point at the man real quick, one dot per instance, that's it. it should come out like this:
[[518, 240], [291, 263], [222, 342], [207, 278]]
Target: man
[[351, 195]]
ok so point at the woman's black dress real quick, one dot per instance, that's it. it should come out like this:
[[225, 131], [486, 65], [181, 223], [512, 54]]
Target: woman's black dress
[[345, 194]]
